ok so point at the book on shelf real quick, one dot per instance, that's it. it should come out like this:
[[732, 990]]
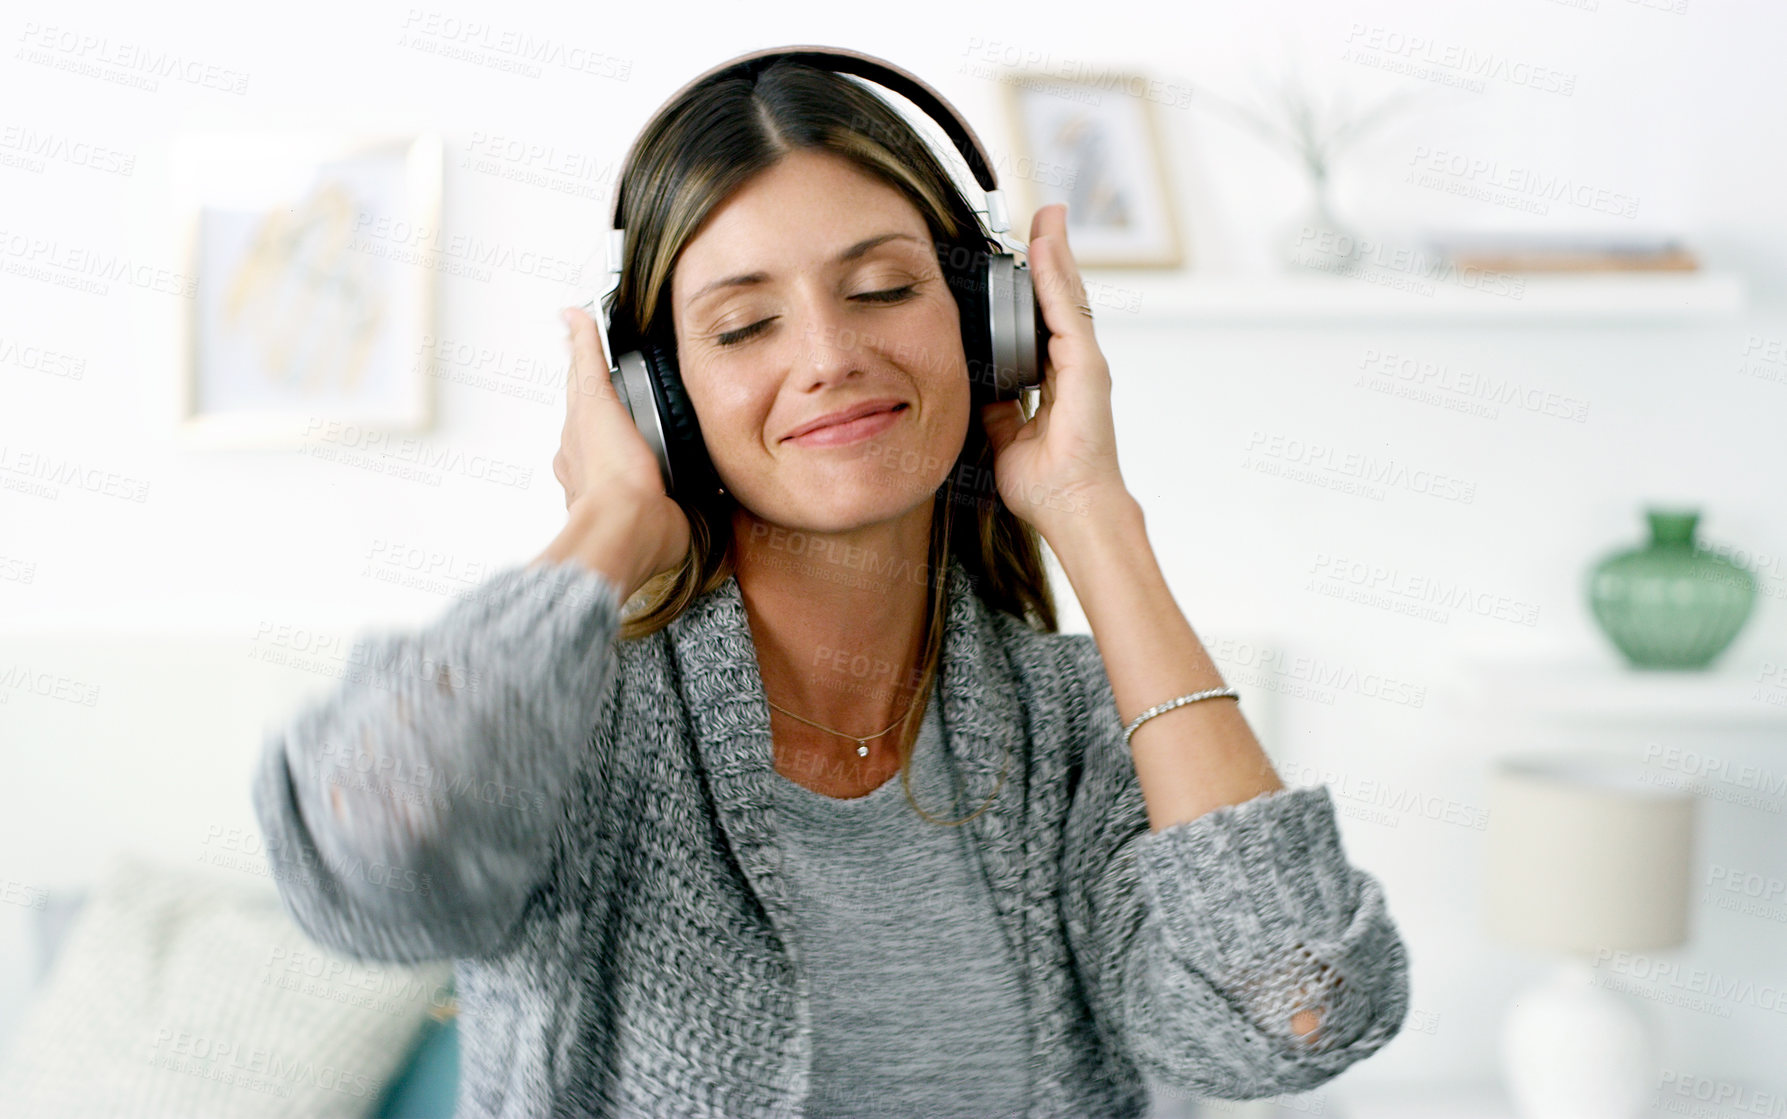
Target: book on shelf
[[1528, 253]]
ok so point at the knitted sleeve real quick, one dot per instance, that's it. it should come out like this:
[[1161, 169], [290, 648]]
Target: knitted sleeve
[[410, 812], [1199, 943]]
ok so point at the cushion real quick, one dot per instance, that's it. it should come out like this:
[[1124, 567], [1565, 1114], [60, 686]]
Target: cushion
[[181, 992], [428, 1086]]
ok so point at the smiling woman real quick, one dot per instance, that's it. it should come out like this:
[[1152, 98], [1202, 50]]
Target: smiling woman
[[666, 848], [811, 263]]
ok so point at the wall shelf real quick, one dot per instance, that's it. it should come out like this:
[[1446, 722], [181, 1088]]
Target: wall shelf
[[1732, 693], [1125, 297]]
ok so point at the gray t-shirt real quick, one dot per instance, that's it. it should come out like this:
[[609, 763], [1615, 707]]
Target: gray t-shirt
[[917, 1006]]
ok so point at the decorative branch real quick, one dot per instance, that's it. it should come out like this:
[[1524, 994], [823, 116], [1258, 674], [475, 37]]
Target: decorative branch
[[1309, 132]]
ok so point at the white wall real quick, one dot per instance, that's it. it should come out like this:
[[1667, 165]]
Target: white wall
[[1678, 109]]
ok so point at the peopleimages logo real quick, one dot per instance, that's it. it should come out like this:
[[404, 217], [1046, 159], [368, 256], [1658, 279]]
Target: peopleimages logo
[[1702, 1095], [1715, 778], [86, 269], [1398, 266], [1311, 677], [1489, 181], [1385, 801], [39, 474], [1408, 592], [1461, 385], [427, 244], [992, 57], [1381, 46], [1325, 458], [1695, 988], [504, 48], [31, 150], [124, 62], [405, 456]]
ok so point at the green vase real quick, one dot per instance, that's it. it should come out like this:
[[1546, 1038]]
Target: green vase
[[1671, 603]]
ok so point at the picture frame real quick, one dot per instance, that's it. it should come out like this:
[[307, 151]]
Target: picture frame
[[315, 256], [1108, 163]]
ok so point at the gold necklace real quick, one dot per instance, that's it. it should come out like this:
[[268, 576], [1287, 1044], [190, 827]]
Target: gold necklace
[[862, 744]]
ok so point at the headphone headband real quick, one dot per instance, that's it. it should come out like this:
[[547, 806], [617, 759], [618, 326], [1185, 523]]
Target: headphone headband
[[880, 71], [1002, 324]]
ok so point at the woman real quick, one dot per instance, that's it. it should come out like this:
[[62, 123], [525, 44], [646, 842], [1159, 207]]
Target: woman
[[665, 851]]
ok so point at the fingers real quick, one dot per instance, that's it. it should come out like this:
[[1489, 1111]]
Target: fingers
[[585, 381], [588, 375], [1059, 287]]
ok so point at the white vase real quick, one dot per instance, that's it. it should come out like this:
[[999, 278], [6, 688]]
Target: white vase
[[1575, 1050], [1318, 241]]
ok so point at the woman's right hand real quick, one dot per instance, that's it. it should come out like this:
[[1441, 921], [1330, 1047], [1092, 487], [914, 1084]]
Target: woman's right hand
[[603, 458]]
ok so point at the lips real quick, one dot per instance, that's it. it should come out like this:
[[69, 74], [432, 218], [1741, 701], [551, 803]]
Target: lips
[[852, 431], [866, 408]]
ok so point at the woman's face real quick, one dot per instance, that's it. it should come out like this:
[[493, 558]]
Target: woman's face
[[815, 288]]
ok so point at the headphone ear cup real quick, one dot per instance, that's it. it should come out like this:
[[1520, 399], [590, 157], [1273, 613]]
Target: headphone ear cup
[[1019, 337], [689, 466], [1026, 298]]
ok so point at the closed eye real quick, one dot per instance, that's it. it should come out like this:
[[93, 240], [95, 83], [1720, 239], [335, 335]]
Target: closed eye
[[891, 295]]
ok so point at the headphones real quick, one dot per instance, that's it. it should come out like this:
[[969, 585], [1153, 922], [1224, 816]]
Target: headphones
[[1003, 332]]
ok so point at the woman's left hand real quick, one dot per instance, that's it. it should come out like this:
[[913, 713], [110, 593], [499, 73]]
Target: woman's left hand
[[1061, 464]]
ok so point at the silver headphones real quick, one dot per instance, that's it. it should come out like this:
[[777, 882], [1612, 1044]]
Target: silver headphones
[[1003, 331]]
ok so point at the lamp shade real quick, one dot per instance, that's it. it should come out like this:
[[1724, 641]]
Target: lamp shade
[[1585, 854]]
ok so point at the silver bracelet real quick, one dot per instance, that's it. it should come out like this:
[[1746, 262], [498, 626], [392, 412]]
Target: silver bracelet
[[1213, 693]]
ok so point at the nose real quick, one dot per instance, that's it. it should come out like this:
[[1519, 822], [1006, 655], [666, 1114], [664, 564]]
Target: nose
[[832, 348]]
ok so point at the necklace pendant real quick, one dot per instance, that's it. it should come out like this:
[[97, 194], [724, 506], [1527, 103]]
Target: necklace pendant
[[862, 749]]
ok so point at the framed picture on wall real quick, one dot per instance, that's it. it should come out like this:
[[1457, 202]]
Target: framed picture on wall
[[1097, 148], [315, 256]]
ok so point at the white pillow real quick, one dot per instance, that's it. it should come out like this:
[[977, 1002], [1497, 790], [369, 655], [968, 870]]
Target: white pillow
[[189, 994]]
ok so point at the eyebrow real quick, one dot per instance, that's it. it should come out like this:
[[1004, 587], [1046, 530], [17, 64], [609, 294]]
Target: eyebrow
[[748, 278]]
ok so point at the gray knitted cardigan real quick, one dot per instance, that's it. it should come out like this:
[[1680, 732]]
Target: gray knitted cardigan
[[585, 826]]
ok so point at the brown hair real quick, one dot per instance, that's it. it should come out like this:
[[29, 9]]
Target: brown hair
[[692, 156]]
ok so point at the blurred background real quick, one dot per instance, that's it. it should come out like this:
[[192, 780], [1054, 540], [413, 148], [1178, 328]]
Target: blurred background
[[1449, 354]]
